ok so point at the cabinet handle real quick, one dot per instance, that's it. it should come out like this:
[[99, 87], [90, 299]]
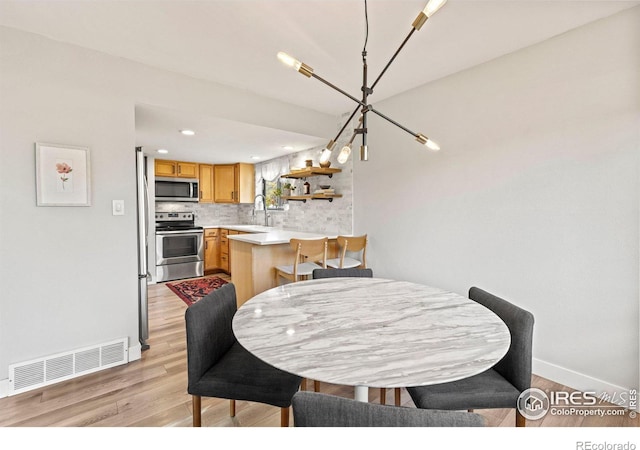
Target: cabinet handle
[[200, 194], [178, 170], [206, 245], [173, 169]]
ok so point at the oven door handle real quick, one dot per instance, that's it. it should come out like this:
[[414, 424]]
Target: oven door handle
[[182, 232]]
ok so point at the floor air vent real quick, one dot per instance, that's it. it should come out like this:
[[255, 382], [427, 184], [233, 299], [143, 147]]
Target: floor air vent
[[40, 372]]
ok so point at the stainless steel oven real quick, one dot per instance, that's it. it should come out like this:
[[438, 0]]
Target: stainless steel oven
[[179, 246]]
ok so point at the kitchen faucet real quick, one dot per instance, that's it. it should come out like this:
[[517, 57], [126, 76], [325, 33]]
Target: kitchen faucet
[[264, 205]]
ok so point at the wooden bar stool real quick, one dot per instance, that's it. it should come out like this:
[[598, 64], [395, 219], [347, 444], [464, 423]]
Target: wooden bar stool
[[356, 246], [311, 254]]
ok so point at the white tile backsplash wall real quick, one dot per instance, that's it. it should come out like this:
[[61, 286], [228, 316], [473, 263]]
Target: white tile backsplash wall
[[316, 215], [211, 213]]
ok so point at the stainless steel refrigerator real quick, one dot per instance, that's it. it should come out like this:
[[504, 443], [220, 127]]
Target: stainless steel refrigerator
[[143, 244]]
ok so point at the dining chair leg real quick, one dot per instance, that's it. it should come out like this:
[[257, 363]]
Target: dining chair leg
[[383, 396], [197, 411], [232, 408], [398, 397], [284, 417], [316, 386], [520, 420]]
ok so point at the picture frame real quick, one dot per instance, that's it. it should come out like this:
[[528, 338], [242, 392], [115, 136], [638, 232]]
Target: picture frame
[[63, 175]]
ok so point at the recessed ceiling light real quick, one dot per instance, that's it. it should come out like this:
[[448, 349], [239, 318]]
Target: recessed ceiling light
[[162, 150], [255, 157], [188, 132], [287, 147]]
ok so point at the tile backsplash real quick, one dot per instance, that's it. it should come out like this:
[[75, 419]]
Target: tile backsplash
[[315, 215], [211, 213]]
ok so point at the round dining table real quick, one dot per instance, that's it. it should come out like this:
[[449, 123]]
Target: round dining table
[[371, 332]]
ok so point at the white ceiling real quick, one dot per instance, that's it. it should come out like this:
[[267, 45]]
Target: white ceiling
[[216, 140], [234, 42]]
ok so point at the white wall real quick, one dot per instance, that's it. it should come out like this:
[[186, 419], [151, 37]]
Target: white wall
[[68, 276], [534, 196]]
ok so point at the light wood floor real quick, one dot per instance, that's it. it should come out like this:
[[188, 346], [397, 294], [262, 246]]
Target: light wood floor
[[152, 392]]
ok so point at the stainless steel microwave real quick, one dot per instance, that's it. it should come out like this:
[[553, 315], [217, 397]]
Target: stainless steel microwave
[[176, 189]]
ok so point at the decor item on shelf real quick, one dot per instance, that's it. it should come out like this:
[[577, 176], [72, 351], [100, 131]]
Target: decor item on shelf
[[432, 7], [286, 189], [190, 291], [307, 188], [309, 163]]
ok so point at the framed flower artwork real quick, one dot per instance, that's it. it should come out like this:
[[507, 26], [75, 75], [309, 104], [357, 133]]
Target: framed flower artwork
[[62, 175]]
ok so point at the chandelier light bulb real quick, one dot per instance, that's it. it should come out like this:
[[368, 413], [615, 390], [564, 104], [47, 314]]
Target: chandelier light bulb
[[433, 6], [344, 154], [326, 154], [432, 145], [427, 142], [298, 65], [288, 60]]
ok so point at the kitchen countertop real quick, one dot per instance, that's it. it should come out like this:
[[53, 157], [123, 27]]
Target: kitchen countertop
[[261, 235], [277, 236], [245, 228]]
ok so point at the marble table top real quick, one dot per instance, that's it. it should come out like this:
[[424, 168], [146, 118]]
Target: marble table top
[[371, 332]]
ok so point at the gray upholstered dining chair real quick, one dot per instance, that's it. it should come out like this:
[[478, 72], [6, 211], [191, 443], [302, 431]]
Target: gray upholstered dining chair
[[218, 366], [311, 409], [336, 273], [498, 387], [353, 272]]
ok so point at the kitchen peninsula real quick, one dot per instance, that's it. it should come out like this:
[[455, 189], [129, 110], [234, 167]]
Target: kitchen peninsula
[[255, 255]]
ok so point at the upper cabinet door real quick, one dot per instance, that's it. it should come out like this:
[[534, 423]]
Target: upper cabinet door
[[224, 183], [234, 183], [165, 168], [187, 169], [206, 183]]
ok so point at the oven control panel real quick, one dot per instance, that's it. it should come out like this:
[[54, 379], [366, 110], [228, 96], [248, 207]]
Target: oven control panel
[[174, 216]]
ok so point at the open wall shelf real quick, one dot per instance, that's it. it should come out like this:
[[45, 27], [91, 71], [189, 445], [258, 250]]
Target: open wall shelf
[[304, 198], [311, 172]]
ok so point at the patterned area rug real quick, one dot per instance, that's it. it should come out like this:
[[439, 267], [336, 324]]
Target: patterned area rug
[[190, 291]]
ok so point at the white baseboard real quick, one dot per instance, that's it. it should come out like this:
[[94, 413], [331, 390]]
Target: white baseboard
[[4, 388], [576, 380], [135, 352]]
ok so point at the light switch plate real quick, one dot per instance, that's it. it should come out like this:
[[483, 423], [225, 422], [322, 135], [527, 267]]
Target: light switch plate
[[118, 207]]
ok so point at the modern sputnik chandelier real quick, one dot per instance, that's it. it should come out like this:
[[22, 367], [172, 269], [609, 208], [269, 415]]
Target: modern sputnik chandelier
[[362, 104]]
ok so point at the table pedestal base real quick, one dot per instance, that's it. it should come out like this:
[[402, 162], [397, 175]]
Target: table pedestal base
[[362, 393]]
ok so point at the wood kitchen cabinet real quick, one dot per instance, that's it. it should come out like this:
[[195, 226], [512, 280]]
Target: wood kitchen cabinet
[[211, 249], [224, 250], [205, 178], [181, 169], [233, 183]]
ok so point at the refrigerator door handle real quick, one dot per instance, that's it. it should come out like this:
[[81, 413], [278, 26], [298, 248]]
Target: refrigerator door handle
[[146, 209]]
